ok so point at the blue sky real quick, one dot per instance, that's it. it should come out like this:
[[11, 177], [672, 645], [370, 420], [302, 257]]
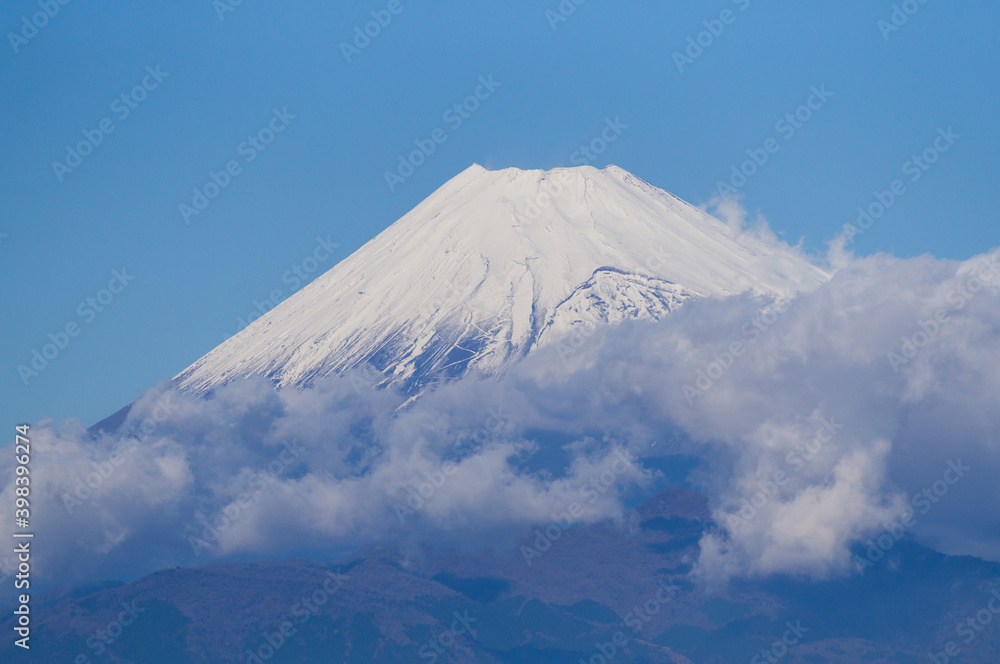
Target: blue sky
[[220, 80]]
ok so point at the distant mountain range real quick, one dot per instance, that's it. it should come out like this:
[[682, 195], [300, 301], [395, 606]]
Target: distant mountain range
[[621, 589]]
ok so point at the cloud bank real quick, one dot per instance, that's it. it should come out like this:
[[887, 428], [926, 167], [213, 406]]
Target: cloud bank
[[868, 406]]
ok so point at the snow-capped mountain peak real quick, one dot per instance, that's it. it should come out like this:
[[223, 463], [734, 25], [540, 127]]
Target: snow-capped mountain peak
[[494, 264]]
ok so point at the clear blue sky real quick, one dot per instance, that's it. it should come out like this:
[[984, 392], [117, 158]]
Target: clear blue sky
[[324, 173]]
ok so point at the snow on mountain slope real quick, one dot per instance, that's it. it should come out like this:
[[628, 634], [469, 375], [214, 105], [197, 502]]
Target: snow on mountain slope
[[495, 263], [611, 296]]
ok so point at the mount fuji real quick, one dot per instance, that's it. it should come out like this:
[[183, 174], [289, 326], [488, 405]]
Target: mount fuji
[[495, 264], [489, 268]]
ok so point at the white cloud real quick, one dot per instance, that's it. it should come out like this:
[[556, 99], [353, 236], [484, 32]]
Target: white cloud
[[823, 362]]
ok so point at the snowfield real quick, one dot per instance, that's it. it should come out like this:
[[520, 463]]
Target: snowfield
[[496, 263]]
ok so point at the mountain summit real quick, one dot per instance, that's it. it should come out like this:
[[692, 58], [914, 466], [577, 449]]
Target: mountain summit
[[494, 264]]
